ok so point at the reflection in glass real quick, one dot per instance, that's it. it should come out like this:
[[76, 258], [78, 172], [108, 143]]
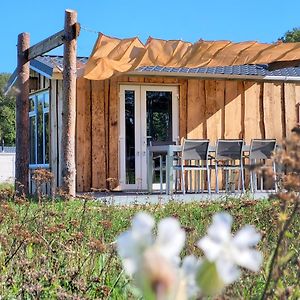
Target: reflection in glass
[[130, 136], [32, 104], [46, 133], [46, 100], [40, 131], [159, 115], [32, 129], [159, 124]]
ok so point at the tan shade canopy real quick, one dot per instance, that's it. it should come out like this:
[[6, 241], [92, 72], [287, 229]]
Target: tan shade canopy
[[112, 56]]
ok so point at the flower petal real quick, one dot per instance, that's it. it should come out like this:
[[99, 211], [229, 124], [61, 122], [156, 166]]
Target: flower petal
[[210, 248], [142, 224], [190, 267], [170, 238], [126, 244], [227, 270], [128, 249], [220, 229], [249, 258], [246, 237]]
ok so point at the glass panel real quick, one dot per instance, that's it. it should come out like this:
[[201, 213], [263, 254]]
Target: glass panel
[[159, 116], [159, 125], [46, 100], [130, 136], [32, 100], [32, 140], [40, 130], [46, 132]]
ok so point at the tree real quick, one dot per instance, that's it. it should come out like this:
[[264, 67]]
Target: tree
[[7, 113], [291, 36]]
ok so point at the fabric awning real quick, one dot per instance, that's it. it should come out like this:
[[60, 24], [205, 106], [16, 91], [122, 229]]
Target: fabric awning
[[112, 56]]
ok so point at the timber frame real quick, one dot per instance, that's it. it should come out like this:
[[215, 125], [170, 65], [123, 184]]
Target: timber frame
[[68, 38]]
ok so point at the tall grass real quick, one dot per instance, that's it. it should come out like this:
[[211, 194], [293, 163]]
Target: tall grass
[[66, 249]]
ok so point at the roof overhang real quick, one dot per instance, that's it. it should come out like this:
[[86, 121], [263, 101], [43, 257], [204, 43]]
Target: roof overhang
[[215, 76]]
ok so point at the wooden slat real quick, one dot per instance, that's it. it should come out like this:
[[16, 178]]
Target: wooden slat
[[183, 108], [98, 136], [233, 110], [214, 91], [53, 132], [170, 80], [196, 123], [252, 113], [290, 107], [83, 136], [139, 79], [113, 130], [154, 80], [272, 111]]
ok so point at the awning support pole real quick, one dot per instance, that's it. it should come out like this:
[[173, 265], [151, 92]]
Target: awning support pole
[[22, 116], [69, 105]]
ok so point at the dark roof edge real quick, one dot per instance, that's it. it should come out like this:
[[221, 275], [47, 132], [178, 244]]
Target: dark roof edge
[[41, 68], [35, 65]]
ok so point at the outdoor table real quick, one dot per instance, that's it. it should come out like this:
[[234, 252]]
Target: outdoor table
[[169, 151]]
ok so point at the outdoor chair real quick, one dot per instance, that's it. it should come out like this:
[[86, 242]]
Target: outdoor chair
[[159, 157], [228, 157], [260, 151], [194, 157]]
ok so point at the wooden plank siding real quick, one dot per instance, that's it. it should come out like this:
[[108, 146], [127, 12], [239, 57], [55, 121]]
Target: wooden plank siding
[[98, 135], [83, 136], [207, 109]]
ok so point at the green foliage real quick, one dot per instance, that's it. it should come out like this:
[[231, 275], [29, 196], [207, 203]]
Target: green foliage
[[7, 113], [66, 249], [291, 36]]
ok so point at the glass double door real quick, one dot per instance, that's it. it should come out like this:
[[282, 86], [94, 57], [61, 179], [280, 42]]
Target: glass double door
[[148, 114]]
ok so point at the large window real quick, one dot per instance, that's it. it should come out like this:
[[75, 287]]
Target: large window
[[39, 129]]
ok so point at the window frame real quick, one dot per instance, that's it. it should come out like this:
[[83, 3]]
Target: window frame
[[35, 114]]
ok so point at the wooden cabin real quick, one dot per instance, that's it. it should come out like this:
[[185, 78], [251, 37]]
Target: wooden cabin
[[116, 118]]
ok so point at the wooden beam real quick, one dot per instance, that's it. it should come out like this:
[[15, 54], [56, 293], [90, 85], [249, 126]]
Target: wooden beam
[[53, 41], [69, 105], [46, 45], [22, 117]]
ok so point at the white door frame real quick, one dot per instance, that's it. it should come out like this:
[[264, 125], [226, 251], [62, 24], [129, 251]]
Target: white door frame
[[141, 131]]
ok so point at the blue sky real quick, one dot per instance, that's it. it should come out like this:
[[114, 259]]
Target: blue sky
[[260, 20]]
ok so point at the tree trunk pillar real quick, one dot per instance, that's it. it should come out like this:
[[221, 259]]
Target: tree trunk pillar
[[22, 117], [69, 105]]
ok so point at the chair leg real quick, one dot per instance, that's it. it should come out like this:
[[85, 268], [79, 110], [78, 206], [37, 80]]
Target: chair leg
[[208, 180], [251, 177], [217, 180], [183, 181], [243, 179]]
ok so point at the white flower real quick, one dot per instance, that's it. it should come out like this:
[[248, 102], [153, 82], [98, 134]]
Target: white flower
[[132, 243], [153, 263], [228, 252]]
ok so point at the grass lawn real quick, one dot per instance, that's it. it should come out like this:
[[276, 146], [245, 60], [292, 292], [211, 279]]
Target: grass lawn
[[65, 250]]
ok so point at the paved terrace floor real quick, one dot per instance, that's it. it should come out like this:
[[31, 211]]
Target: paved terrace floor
[[131, 198]]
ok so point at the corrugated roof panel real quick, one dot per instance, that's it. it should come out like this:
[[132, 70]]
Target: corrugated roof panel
[[46, 64]]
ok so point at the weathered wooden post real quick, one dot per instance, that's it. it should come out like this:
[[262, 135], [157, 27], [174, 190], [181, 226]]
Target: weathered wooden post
[[69, 104], [22, 117]]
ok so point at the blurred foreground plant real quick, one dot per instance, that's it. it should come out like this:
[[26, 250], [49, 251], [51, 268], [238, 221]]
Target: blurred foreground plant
[[155, 265], [288, 161]]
